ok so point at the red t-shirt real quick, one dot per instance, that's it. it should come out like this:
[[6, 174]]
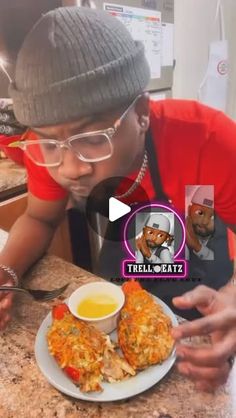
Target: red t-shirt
[[195, 145]]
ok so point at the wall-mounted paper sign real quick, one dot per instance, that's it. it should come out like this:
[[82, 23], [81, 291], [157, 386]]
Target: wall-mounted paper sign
[[167, 48], [144, 25]]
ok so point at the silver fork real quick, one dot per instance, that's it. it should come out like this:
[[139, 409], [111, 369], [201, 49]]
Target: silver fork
[[36, 294]]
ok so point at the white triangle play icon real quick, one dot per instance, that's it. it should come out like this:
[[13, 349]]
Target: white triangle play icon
[[117, 209]]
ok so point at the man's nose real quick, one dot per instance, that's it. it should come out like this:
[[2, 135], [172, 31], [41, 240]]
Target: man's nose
[[205, 221], [72, 167]]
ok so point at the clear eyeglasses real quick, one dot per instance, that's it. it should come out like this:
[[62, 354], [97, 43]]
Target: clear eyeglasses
[[89, 147]]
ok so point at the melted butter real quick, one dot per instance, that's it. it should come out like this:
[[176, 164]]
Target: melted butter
[[97, 306]]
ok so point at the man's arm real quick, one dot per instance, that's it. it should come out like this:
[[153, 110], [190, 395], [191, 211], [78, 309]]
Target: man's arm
[[139, 257], [165, 257], [28, 240], [233, 228], [32, 233]]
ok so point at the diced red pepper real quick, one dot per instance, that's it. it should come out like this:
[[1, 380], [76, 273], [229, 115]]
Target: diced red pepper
[[131, 286], [73, 373], [59, 311]]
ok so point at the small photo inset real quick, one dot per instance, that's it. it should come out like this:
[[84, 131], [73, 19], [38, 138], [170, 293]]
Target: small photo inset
[[154, 237], [199, 223]]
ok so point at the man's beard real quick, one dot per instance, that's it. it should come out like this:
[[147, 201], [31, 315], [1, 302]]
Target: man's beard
[[207, 232]]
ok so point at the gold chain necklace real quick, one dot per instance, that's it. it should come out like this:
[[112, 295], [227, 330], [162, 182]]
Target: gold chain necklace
[[138, 179]]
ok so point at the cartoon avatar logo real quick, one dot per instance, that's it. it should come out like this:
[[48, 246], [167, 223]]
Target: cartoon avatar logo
[[200, 222], [156, 248], [149, 245]]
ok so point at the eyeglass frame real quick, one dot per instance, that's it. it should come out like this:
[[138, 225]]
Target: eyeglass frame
[[108, 133]]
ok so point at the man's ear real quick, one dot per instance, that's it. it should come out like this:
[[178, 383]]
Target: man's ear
[[142, 111]]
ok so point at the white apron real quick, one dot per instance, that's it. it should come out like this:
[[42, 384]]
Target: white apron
[[214, 87]]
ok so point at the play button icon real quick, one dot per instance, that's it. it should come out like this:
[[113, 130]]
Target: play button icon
[[117, 209], [106, 212]]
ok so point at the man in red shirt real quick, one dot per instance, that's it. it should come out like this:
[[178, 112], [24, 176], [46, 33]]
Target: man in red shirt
[[79, 81]]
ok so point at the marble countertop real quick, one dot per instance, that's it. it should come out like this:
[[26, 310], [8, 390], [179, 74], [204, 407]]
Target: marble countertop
[[11, 175], [25, 393]]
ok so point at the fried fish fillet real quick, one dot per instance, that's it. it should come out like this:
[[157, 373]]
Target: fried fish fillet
[[84, 353], [144, 329]]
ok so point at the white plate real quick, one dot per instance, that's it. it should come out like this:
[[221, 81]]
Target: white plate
[[111, 391]]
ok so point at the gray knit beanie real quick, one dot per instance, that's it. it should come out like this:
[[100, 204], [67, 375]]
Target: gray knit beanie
[[76, 62]]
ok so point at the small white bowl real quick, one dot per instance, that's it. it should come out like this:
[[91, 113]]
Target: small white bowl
[[105, 323]]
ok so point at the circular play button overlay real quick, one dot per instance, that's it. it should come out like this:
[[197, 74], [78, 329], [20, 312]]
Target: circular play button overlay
[[110, 203]]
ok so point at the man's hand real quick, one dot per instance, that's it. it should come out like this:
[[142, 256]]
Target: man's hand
[[141, 245], [6, 299], [208, 367], [191, 238]]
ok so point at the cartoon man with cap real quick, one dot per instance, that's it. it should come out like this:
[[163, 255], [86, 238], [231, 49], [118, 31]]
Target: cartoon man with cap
[[200, 226], [149, 245]]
